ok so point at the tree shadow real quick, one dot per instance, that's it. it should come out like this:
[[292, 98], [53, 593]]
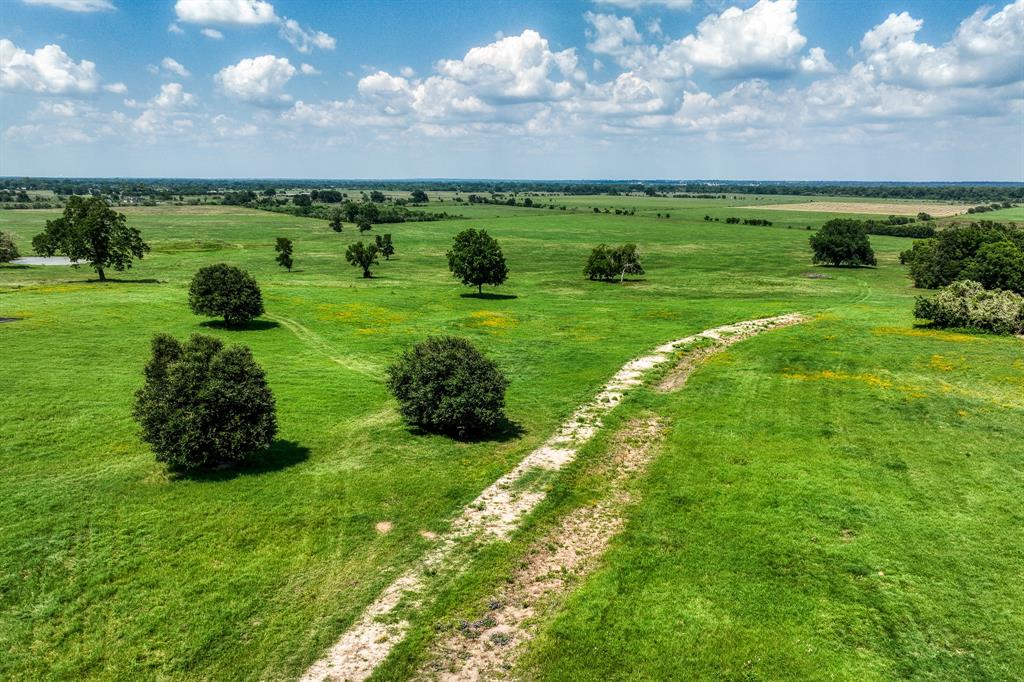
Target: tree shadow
[[250, 326], [506, 431], [280, 455], [117, 280], [488, 296], [14, 266]]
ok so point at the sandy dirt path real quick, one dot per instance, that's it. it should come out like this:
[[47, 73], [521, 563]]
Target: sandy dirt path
[[496, 512]]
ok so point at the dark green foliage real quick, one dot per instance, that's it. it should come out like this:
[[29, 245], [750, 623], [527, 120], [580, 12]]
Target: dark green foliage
[[419, 196], [223, 290], [336, 220], [377, 197], [283, 247], [385, 246], [364, 226], [302, 200], [8, 249], [476, 259], [91, 231], [968, 305], [607, 262], [204, 404], [997, 265], [842, 242], [362, 256], [954, 251], [445, 385]]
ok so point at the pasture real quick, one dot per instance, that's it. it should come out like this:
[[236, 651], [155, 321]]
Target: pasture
[[839, 498]]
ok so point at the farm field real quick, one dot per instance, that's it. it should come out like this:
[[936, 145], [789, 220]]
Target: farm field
[[939, 210], [834, 499]]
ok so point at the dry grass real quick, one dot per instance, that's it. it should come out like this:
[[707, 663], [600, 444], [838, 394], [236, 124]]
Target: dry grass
[[880, 208]]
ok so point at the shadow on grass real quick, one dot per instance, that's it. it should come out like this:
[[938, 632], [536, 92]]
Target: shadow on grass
[[14, 266], [281, 455], [488, 296], [117, 280], [250, 326], [508, 430]]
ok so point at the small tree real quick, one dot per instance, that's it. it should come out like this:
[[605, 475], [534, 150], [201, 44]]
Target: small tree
[[364, 226], [476, 259], [607, 263], [444, 384], [385, 246], [363, 256], [8, 249], [91, 231], [204, 404], [842, 242], [223, 290], [336, 220], [284, 253], [418, 196]]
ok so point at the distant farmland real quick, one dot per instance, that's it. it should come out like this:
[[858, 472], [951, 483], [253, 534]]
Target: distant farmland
[[882, 208]]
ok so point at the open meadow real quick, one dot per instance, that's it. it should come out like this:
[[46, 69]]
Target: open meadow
[[836, 499]]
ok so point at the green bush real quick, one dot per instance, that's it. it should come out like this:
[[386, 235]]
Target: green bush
[[969, 305], [608, 262], [223, 290], [204, 404], [445, 385]]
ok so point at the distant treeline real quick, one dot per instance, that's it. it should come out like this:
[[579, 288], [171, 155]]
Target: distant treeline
[[170, 188]]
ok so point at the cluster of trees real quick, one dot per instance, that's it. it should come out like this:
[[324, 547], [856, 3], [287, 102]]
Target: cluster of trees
[[893, 226], [608, 263], [987, 252], [745, 221], [990, 207], [967, 304], [842, 243]]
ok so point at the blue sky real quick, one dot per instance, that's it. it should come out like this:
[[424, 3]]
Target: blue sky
[[774, 89]]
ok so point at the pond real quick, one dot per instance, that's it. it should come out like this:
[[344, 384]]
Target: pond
[[43, 260]]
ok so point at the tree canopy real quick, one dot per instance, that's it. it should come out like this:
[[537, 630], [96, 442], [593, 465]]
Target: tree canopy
[[444, 384], [476, 259], [283, 247], [842, 242], [385, 245], [222, 290], [363, 256], [8, 249], [988, 252], [607, 262], [204, 404], [90, 231]]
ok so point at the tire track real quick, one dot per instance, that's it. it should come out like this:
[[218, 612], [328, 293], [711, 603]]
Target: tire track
[[495, 513]]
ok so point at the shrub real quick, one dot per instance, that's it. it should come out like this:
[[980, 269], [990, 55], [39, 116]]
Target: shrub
[[969, 305], [362, 256], [203, 404], [8, 249], [842, 242], [223, 290], [283, 247], [445, 385]]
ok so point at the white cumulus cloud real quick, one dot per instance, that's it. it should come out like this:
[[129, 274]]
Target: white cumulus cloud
[[48, 70], [212, 33], [116, 88], [304, 40], [638, 4], [243, 12], [259, 80]]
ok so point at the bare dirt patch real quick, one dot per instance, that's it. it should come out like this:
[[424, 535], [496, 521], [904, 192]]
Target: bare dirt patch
[[487, 648], [383, 527], [880, 208], [494, 514]]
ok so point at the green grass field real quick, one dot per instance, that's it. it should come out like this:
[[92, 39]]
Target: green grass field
[[836, 500]]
